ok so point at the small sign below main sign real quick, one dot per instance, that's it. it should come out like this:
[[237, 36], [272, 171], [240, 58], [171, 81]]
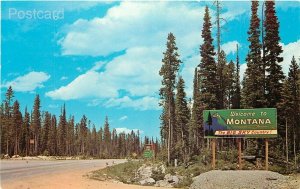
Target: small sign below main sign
[[31, 141], [240, 123], [148, 154]]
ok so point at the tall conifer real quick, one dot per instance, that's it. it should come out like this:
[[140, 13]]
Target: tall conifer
[[207, 66], [182, 119], [273, 49], [168, 71], [237, 84], [62, 128], [253, 90], [36, 124]]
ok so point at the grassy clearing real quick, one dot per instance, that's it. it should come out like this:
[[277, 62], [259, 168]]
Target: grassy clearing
[[124, 172]]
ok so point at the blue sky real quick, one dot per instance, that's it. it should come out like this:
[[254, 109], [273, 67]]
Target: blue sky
[[103, 58]]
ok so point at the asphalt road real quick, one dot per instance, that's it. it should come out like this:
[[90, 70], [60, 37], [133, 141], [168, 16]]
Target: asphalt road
[[17, 169]]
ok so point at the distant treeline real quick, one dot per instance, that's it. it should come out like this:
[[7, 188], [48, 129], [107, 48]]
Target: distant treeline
[[41, 133]]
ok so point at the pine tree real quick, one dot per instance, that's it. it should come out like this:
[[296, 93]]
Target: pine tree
[[121, 145], [62, 132], [137, 143], [94, 141], [17, 125], [88, 139], [70, 136], [170, 66], [2, 124], [272, 59], [107, 138], [207, 66], [253, 90], [294, 100], [285, 107], [237, 84], [218, 19], [52, 142], [222, 79], [36, 124], [83, 130], [196, 121], [182, 114], [24, 144], [100, 139], [46, 130], [114, 144], [77, 139], [6, 133], [230, 85]]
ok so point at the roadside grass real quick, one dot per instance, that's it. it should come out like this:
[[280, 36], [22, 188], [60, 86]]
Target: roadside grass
[[124, 172], [198, 164]]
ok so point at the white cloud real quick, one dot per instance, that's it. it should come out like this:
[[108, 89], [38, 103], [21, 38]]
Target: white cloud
[[28, 82], [79, 69], [78, 5], [136, 72], [85, 85], [144, 103], [54, 106], [233, 9], [94, 102], [127, 130], [123, 118], [243, 68], [230, 47], [63, 78], [289, 50], [98, 66], [188, 72], [286, 4], [134, 24]]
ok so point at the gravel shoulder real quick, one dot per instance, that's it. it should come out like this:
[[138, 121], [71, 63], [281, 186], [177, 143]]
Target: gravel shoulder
[[245, 179]]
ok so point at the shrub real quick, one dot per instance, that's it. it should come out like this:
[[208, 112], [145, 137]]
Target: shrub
[[46, 153], [184, 183], [157, 174]]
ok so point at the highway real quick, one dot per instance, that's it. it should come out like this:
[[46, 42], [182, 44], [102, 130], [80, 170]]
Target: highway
[[12, 170]]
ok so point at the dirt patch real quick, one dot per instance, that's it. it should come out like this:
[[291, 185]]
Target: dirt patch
[[66, 180], [244, 179]]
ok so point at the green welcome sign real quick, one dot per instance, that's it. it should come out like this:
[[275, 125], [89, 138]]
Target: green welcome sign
[[240, 123], [148, 154]]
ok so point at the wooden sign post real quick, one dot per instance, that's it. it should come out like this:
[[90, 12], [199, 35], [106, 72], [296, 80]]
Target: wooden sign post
[[240, 152], [213, 146], [267, 153]]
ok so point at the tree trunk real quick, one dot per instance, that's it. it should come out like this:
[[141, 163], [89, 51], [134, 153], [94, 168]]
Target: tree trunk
[[6, 146], [15, 147], [208, 145], [295, 155], [35, 144], [183, 146], [169, 134], [26, 150], [286, 141]]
